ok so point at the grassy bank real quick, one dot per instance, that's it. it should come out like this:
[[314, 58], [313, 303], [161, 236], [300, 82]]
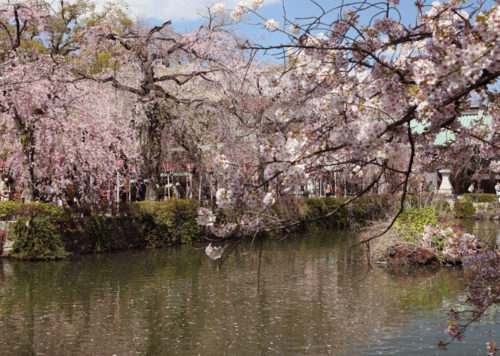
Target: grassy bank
[[426, 235], [40, 229], [48, 231], [308, 212]]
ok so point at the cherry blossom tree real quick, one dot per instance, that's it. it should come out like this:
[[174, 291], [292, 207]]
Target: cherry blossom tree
[[378, 91], [160, 68], [52, 128]]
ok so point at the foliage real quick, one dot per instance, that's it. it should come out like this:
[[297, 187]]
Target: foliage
[[464, 209], [449, 243], [417, 199], [36, 238], [168, 222], [12, 208], [412, 221], [97, 229], [373, 207], [162, 223], [160, 192], [318, 207], [9, 209], [313, 211], [289, 208], [442, 206], [481, 197]]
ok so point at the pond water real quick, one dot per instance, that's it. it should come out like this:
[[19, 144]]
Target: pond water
[[487, 230], [313, 297]]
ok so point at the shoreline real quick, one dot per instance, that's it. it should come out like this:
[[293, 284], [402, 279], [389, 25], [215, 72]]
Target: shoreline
[[147, 224], [172, 222]]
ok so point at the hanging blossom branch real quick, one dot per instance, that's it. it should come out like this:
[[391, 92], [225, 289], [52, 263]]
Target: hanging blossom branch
[[362, 88]]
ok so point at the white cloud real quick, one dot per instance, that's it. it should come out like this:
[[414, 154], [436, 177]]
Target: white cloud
[[176, 9]]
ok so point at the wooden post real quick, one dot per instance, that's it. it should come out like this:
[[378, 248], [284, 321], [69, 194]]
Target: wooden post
[[199, 188]]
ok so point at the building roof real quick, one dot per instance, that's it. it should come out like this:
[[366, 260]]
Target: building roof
[[468, 119]]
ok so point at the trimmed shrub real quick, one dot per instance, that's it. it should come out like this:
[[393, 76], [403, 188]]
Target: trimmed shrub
[[481, 198], [367, 208], [373, 207], [319, 207], [167, 222], [8, 209], [160, 191], [464, 209], [36, 238], [11, 209]]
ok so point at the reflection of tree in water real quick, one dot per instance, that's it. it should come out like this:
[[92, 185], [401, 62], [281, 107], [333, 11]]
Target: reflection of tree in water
[[312, 294], [103, 299], [425, 288], [2, 275], [487, 231]]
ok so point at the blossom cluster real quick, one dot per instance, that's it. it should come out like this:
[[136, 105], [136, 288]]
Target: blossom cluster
[[214, 252], [243, 8], [205, 217], [483, 292], [452, 244]]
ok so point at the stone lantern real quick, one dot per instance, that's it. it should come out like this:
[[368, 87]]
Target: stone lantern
[[445, 187]]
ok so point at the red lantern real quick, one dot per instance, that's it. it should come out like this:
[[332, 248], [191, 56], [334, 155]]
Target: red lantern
[[189, 166]]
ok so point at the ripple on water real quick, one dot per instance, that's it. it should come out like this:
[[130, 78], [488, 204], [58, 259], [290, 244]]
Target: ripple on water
[[312, 299]]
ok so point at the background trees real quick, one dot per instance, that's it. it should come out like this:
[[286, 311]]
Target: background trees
[[55, 129], [357, 92]]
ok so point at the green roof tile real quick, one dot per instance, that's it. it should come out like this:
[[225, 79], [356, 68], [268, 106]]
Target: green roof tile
[[467, 119]]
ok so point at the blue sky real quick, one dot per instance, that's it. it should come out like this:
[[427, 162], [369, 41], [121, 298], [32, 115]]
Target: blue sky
[[250, 29], [187, 14]]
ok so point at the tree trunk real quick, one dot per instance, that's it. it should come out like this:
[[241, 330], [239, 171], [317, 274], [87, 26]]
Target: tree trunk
[[152, 151], [28, 170], [28, 181], [28, 144]]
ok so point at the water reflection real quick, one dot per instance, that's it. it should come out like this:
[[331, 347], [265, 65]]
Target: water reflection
[[487, 230], [313, 298]]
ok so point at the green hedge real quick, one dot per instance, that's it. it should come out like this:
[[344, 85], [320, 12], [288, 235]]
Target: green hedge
[[12, 209], [464, 209], [442, 206], [36, 238], [167, 222], [481, 198], [39, 225], [318, 207], [173, 221]]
